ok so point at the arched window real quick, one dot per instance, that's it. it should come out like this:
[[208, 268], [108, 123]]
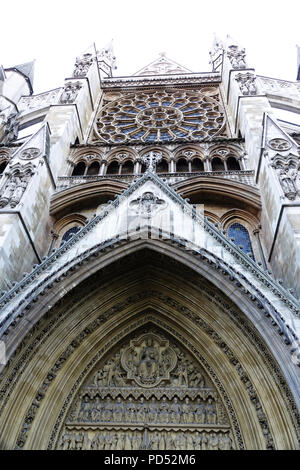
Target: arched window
[[217, 164], [182, 165], [241, 237], [79, 169], [2, 167], [113, 168], [197, 164], [233, 164], [67, 235], [162, 166], [93, 169], [127, 168]]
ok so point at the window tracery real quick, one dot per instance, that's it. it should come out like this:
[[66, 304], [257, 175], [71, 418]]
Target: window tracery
[[160, 116]]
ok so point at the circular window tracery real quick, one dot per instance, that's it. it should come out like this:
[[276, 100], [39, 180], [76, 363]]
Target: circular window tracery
[[160, 116]]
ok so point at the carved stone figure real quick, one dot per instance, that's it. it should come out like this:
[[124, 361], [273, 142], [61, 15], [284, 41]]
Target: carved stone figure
[[11, 128], [287, 180], [70, 92], [199, 412], [175, 411], [237, 57], [82, 65], [155, 441], [187, 412], [84, 412], [118, 410], [197, 441], [141, 411], [247, 83], [164, 411], [130, 411], [153, 411], [225, 442], [211, 414], [108, 410]]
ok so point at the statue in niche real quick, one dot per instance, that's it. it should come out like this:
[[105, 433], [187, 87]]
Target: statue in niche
[[148, 360], [213, 442], [84, 412], [97, 442], [130, 411], [152, 410], [197, 441], [199, 412], [225, 442], [118, 410], [175, 411], [141, 411], [127, 442], [189, 442], [164, 411], [121, 442], [136, 441], [13, 190], [211, 414], [204, 440], [107, 410], [155, 441], [169, 441], [187, 412]]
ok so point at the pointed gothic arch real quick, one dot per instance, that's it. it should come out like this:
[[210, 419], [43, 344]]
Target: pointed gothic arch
[[87, 323]]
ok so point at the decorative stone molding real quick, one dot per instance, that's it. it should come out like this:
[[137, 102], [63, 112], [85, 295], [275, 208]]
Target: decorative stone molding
[[29, 154], [247, 83], [279, 144]]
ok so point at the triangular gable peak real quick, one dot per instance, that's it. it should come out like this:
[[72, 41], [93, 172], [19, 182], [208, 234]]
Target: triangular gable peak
[[162, 66], [150, 206]]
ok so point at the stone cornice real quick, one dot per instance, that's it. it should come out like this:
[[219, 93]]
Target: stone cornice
[[162, 80]]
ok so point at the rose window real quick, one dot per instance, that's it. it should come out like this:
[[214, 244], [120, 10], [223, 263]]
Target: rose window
[[160, 116]]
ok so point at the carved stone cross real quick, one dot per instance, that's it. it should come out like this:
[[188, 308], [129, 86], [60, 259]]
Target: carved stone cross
[[151, 159]]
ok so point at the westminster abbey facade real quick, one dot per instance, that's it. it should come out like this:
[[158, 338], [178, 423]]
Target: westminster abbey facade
[[150, 258]]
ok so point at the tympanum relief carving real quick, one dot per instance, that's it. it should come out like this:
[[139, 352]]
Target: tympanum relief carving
[[151, 394]]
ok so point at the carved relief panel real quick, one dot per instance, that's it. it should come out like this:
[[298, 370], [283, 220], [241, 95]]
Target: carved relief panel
[[150, 394]]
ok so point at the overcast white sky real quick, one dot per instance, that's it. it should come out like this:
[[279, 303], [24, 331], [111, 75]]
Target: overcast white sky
[[55, 32]]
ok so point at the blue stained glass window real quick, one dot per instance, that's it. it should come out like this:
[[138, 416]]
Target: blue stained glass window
[[240, 236], [69, 233]]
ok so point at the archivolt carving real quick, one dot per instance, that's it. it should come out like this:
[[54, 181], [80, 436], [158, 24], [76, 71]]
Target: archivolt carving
[[24, 357]]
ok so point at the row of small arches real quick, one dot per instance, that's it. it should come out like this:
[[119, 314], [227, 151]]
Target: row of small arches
[[182, 165], [236, 231]]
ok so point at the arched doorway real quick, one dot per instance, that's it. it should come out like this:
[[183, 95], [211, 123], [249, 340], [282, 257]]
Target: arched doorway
[[92, 354]]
